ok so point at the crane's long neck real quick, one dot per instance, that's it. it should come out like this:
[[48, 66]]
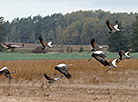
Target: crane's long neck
[[12, 72], [132, 56], [70, 65], [105, 46]]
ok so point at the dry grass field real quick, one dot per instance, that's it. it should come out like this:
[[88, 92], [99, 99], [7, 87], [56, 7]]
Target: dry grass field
[[31, 46], [89, 82]]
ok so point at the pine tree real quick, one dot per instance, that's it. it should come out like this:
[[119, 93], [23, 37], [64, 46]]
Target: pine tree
[[134, 36], [117, 42], [2, 33]]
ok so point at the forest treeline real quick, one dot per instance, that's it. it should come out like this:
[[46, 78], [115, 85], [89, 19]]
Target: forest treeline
[[72, 28]]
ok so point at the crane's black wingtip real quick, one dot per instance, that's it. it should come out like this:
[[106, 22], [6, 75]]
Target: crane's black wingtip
[[68, 76], [44, 74], [92, 39], [40, 37], [107, 21]]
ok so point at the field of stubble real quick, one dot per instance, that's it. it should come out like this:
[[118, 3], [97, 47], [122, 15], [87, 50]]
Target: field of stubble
[[89, 82]]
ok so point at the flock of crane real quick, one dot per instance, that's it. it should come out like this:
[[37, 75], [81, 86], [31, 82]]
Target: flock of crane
[[97, 54], [100, 55], [60, 67]]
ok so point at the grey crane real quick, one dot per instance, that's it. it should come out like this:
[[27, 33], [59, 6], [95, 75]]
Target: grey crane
[[4, 71], [62, 69], [51, 80], [113, 28], [45, 44], [95, 45], [12, 46], [100, 56], [124, 55]]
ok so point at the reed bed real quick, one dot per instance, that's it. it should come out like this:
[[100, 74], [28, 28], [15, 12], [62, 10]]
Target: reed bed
[[82, 71]]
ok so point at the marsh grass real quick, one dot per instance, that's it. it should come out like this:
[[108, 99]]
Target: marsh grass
[[82, 71]]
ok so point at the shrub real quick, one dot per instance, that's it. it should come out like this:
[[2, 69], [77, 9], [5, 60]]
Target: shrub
[[81, 49], [69, 49], [39, 50]]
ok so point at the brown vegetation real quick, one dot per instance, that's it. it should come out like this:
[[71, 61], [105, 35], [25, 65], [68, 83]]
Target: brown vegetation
[[82, 70], [89, 81]]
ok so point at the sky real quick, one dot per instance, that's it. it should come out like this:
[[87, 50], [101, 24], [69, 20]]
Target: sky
[[10, 9]]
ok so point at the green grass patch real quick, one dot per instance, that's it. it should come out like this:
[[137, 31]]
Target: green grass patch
[[64, 56]]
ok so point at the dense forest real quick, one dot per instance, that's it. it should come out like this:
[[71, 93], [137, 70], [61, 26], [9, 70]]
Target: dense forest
[[71, 28]]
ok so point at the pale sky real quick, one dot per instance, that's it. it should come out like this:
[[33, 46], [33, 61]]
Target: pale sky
[[11, 9]]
